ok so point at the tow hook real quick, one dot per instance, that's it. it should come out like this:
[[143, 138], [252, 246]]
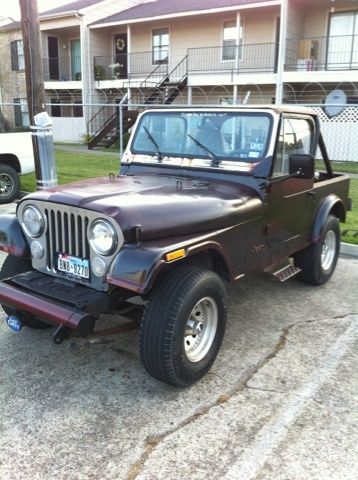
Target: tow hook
[[14, 323], [62, 333]]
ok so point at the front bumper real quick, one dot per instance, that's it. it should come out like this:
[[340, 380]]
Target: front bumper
[[54, 301]]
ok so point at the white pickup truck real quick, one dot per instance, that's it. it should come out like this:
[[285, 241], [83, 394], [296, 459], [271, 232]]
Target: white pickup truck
[[16, 158]]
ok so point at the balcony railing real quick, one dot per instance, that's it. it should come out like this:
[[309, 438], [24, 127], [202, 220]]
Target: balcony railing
[[62, 68], [116, 66], [322, 53], [302, 54], [246, 58]]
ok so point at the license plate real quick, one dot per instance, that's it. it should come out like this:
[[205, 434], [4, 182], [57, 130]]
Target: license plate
[[78, 267]]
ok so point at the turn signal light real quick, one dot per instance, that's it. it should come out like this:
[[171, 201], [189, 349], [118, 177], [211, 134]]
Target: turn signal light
[[169, 257]]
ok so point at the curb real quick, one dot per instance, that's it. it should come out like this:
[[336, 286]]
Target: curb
[[349, 249]]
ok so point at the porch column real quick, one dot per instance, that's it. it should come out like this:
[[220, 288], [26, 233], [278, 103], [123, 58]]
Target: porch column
[[190, 95], [129, 49], [238, 25], [281, 52], [234, 95]]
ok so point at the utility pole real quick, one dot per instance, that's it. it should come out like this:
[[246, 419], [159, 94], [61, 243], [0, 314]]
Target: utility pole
[[30, 25]]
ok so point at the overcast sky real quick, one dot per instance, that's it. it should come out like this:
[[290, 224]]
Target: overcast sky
[[10, 8]]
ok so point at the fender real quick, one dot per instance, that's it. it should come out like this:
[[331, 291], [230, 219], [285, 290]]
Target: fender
[[329, 204], [136, 266], [12, 240]]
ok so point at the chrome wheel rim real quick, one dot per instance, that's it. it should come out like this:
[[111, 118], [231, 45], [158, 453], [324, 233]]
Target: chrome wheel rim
[[201, 329], [328, 250], [6, 184]]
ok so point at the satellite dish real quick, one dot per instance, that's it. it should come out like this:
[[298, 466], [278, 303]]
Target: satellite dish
[[335, 103]]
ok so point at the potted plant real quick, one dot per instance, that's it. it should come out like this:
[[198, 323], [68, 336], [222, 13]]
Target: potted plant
[[99, 72], [116, 70]]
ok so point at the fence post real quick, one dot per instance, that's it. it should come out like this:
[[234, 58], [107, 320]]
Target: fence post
[[120, 131], [43, 133]]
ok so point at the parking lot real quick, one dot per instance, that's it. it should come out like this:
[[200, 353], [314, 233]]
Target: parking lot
[[279, 403]]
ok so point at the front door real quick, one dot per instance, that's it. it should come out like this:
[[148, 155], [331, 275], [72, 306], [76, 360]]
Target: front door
[[53, 60], [120, 56], [76, 59], [291, 202]]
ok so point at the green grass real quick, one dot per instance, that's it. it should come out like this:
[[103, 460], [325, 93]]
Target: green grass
[[352, 217], [72, 166], [77, 166], [343, 167]]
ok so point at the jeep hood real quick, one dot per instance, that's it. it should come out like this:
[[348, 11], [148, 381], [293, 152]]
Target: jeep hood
[[162, 205]]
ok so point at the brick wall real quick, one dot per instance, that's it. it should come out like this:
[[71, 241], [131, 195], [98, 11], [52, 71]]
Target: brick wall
[[12, 83]]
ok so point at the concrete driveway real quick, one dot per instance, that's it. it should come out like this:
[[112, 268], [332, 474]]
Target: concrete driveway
[[279, 403]]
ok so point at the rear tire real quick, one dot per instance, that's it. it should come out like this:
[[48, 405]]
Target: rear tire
[[14, 266], [318, 261], [9, 184], [183, 325]]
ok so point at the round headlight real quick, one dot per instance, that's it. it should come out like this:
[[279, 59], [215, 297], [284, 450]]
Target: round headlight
[[103, 238], [33, 221]]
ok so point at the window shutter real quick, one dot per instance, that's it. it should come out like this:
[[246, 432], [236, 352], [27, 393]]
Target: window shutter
[[17, 112], [14, 58]]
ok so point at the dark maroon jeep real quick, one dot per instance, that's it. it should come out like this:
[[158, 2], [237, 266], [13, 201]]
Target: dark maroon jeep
[[203, 197]]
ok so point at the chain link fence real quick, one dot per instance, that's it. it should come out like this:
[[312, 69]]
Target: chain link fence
[[74, 125]]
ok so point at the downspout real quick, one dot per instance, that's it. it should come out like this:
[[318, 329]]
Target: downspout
[[281, 52]]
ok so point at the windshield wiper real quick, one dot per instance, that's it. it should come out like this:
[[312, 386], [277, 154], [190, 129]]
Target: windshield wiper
[[215, 160], [154, 142]]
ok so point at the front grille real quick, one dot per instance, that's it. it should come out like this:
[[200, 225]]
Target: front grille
[[66, 233]]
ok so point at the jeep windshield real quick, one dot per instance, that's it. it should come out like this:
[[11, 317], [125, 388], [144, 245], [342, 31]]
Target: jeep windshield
[[235, 140]]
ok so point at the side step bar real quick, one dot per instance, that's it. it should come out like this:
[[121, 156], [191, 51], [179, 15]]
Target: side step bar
[[283, 271]]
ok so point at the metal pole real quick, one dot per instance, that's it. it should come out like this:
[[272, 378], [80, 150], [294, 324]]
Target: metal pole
[[120, 132], [234, 95], [190, 95]]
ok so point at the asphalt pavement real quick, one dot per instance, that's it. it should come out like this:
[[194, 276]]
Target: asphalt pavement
[[281, 401]]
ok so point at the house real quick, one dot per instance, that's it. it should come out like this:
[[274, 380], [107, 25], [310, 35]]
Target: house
[[199, 52], [68, 76], [275, 48]]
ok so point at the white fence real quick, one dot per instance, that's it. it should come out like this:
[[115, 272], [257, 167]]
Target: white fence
[[69, 129], [340, 133]]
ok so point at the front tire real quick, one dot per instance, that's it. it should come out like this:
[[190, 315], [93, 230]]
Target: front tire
[[318, 261], [9, 184], [11, 267], [183, 325]]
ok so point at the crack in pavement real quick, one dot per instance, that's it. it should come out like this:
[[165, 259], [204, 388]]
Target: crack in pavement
[[152, 441]]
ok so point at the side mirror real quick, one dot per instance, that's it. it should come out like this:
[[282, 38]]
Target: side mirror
[[301, 165]]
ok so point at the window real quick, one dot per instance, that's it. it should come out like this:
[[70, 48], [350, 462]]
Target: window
[[342, 48], [17, 55], [232, 41], [77, 109], [21, 113], [55, 109], [160, 46], [295, 137], [238, 139]]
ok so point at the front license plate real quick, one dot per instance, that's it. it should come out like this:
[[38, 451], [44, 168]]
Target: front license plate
[[78, 267]]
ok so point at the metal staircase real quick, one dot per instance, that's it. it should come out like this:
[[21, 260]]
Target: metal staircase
[[170, 86], [103, 127]]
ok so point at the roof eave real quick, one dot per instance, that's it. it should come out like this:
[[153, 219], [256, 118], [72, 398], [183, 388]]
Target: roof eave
[[71, 13], [268, 3]]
